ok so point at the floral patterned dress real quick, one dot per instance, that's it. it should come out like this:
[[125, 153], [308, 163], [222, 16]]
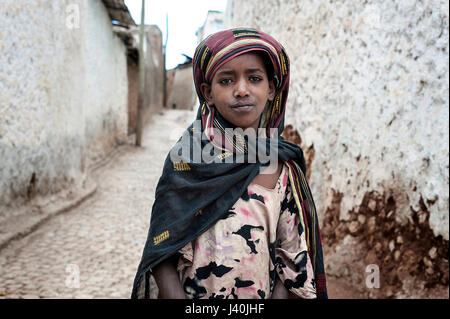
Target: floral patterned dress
[[258, 240]]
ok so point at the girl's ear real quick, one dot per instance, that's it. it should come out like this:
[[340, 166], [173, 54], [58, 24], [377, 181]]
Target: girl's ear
[[206, 91], [271, 90]]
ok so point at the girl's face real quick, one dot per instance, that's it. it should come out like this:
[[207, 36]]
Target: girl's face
[[240, 90]]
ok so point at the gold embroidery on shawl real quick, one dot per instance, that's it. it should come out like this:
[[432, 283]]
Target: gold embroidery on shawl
[[199, 212], [181, 166], [161, 237]]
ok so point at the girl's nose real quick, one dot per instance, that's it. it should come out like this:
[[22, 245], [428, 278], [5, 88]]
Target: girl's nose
[[241, 89]]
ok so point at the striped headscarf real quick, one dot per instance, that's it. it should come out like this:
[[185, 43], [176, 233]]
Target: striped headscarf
[[223, 46], [191, 196]]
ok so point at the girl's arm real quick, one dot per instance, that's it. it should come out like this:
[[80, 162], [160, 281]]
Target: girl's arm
[[166, 277]]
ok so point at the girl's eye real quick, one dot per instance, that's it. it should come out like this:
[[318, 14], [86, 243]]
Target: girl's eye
[[225, 81], [255, 79]]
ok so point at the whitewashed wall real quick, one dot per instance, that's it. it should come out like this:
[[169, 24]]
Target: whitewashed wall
[[369, 92], [63, 93]]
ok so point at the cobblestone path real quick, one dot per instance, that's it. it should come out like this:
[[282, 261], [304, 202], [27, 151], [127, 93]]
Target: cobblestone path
[[93, 250]]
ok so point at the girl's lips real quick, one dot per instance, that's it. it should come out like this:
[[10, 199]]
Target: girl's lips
[[242, 108]]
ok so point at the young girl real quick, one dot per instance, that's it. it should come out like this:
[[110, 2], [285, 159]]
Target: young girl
[[226, 229]]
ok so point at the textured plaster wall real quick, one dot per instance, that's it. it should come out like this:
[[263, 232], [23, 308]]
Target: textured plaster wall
[[182, 94], [63, 94], [369, 97], [106, 84], [154, 70]]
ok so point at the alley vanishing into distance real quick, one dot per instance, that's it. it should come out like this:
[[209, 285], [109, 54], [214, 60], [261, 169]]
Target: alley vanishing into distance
[[92, 250], [101, 239]]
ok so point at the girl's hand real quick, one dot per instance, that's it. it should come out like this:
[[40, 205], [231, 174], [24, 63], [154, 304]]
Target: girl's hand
[[168, 282]]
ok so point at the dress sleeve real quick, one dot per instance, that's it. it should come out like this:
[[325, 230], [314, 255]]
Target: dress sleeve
[[292, 261], [186, 255]]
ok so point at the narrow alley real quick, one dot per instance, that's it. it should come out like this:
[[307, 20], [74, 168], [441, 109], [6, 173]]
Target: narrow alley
[[92, 251]]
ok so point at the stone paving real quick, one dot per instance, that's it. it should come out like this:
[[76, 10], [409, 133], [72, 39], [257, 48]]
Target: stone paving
[[93, 250]]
